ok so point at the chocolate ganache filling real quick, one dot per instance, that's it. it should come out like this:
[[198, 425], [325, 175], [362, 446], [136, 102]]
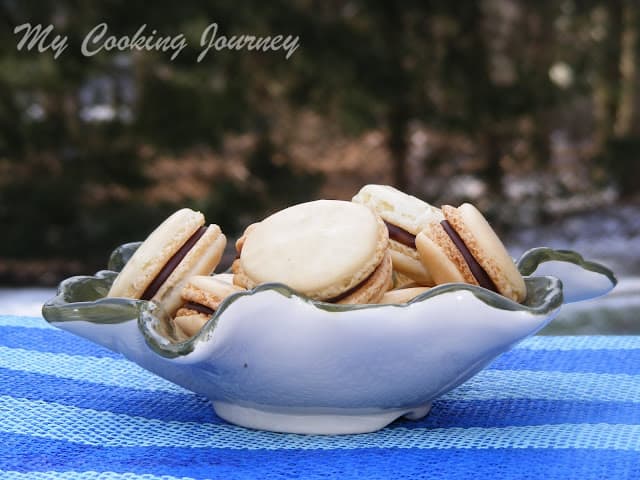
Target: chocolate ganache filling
[[171, 265], [400, 235], [478, 272], [198, 307], [345, 294]]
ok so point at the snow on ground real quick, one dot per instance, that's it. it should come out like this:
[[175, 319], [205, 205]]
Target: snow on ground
[[24, 301]]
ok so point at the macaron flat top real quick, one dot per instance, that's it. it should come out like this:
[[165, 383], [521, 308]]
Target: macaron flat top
[[154, 253], [485, 246], [178, 248], [208, 290], [402, 295], [398, 208], [441, 256], [321, 248], [201, 259]]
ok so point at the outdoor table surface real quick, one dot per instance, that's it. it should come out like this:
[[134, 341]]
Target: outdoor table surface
[[553, 407]]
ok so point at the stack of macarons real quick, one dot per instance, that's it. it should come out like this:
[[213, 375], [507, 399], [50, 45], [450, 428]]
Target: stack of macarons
[[328, 250], [464, 248], [168, 265], [179, 247], [382, 247], [202, 296], [405, 216], [450, 245]]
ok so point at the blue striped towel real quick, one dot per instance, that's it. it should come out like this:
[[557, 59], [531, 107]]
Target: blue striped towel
[[554, 407]]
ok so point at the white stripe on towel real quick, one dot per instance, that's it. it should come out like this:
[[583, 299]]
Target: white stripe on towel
[[12, 475], [546, 385], [486, 385], [596, 342], [117, 372]]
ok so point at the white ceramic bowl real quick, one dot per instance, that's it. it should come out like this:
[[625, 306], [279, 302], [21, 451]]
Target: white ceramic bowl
[[273, 360]]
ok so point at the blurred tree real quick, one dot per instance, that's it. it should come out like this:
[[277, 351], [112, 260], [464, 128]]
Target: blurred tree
[[371, 63], [629, 38], [615, 97], [87, 143], [81, 134]]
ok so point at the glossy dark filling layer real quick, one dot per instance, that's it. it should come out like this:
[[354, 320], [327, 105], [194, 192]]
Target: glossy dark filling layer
[[171, 265], [198, 307], [400, 235], [478, 272]]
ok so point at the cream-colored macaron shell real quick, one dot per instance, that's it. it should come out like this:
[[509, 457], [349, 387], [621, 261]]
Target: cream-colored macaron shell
[[374, 287], [407, 213], [240, 241], [402, 295], [224, 277], [398, 208], [202, 259], [406, 261], [154, 253], [402, 281], [487, 249], [438, 259], [189, 322], [320, 249], [208, 290], [161, 244]]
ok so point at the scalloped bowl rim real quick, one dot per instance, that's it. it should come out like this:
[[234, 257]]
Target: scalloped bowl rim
[[146, 310]]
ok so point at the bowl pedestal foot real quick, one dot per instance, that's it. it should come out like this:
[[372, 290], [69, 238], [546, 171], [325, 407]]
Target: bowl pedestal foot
[[315, 421]]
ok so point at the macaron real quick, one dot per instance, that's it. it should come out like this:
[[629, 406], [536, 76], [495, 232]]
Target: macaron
[[402, 295], [405, 216], [178, 248], [201, 297], [225, 277], [240, 241], [464, 248], [329, 250]]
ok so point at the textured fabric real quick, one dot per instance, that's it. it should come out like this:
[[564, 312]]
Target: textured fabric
[[553, 407]]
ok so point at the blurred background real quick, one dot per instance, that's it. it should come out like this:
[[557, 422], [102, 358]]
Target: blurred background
[[531, 110]]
